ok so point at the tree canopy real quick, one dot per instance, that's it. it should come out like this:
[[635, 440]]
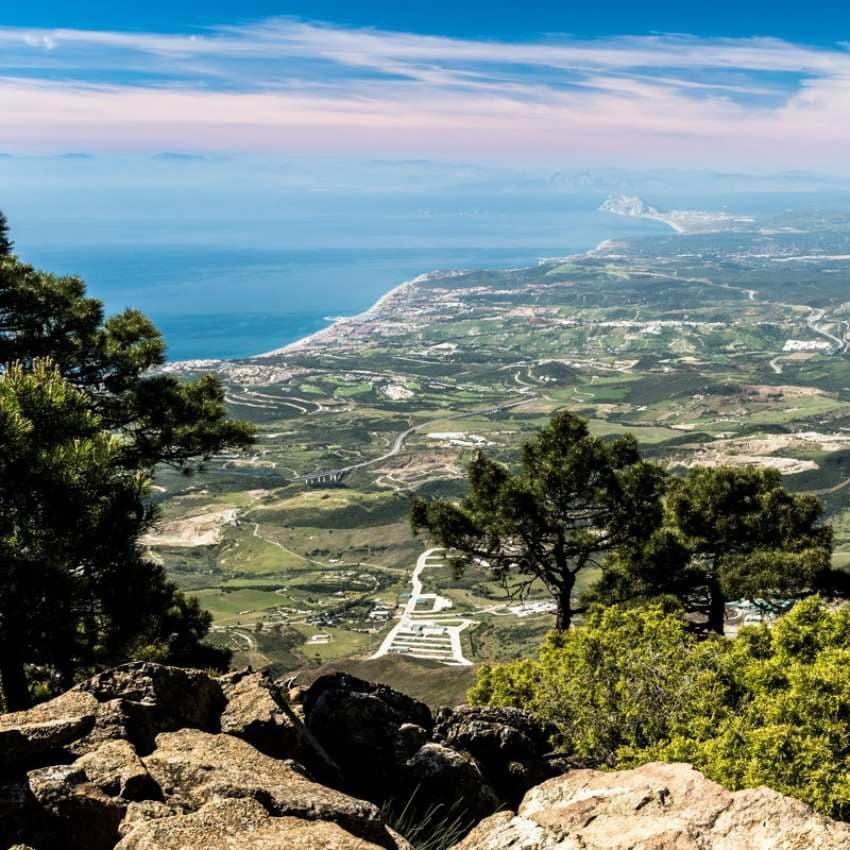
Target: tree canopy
[[729, 534], [6, 243], [574, 500], [83, 424]]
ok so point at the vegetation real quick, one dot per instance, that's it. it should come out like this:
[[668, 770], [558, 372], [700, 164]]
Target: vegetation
[[6, 243], [729, 534], [82, 427], [635, 685], [575, 500]]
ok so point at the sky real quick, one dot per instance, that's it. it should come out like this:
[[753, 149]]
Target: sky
[[732, 85]]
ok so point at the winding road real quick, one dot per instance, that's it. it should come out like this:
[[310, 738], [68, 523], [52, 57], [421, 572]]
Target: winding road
[[331, 475]]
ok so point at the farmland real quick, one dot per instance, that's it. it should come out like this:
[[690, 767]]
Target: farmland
[[711, 348]]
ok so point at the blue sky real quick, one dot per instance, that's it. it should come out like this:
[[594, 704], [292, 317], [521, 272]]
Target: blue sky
[[723, 84], [817, 22]]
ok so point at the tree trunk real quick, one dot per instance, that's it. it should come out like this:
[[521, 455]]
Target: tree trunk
[[716, 607], [16, 694], [564, 600]]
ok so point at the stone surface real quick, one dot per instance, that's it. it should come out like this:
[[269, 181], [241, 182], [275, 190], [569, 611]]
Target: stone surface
[[508, 744], [71, 812], [258, 712], [237, 824], [80, 805], [193, 767], [361, 724], [654, 807], [437, 776], [144, 699], [26, 736]]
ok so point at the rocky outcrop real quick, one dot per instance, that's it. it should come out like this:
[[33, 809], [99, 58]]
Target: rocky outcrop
[[258, 712], [153, 756], [26, 736], [654, 807], [440, 779], [224, 824], [469, 761], [147, 757], [361, 724], [508, 745], [193, 767]]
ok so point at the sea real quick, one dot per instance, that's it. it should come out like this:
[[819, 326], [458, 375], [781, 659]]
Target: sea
[[233, 259], [214, 300]]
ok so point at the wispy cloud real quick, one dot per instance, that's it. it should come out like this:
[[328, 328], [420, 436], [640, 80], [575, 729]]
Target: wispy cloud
[[299, 87]]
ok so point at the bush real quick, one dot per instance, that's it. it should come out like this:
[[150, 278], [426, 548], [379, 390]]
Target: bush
[[771, 707]]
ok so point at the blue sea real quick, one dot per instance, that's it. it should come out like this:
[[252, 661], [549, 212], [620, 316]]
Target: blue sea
[[211, 302], [234, 257]]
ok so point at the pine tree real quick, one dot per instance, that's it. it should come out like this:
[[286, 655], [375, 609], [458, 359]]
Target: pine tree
[[6, 243], [82, 426], [574, 500], [729, 534]]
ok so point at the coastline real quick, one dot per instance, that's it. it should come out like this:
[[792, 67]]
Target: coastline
[[340, 322]]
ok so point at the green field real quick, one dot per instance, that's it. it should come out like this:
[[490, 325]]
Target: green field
[[659, 338]]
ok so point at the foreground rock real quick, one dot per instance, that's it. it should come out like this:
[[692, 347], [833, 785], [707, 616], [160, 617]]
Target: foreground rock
[[654, 807], [193, 767], [224, 824], [258, 712], [136, 757], [369, 730], [146, 757], [26, 736], [508, 745]]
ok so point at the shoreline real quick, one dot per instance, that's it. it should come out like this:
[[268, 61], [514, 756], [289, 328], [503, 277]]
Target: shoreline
[[365, 315], [340, 322]]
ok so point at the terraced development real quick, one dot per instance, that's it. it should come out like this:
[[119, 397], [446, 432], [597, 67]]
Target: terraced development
[[711, 347]]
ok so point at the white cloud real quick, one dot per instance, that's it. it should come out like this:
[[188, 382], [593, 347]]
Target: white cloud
[[304, 87]]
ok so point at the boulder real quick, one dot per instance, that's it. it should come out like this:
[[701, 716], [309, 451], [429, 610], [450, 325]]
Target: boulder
[[258, 712], [228, 824], [80, 805], [27, 737], [509, 745], [72, 813], [141, 699], [365, 725], [448, 784], [654, 807], [193, 767]]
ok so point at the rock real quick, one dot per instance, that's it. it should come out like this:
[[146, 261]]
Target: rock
[[258, 712], [27, 736], [142, 699], [508, 744], [654, 807], [72, 813], [80, 805], [192, 768], [115, 768], [361, 724], [438, 778], [228, 824]]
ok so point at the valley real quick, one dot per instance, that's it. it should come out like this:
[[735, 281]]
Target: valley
[[725, 347]]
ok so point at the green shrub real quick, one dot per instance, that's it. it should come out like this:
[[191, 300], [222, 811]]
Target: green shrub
[[771, 707]]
